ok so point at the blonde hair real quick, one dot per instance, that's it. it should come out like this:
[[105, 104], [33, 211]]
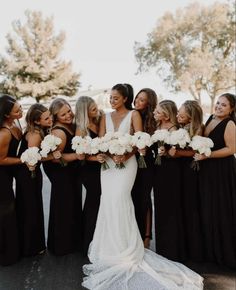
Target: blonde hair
[[195, 114], [55, 107], [33, 115], [82, 107], [169, 109]]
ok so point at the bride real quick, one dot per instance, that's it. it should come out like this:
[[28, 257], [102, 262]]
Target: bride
[[117, 255]]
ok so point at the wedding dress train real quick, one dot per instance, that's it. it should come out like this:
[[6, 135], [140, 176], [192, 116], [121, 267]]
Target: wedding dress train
[[117, 255]]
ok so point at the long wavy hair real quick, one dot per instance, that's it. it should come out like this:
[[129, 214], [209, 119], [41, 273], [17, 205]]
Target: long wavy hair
[[149, 122], [7, 102], [195, 114], [33, 115], [55, 107], [82, 107], [126, 90], [232, 101], [169, 109]]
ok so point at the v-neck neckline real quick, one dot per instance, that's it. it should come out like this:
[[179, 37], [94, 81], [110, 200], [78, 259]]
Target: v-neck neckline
[[118, 127]]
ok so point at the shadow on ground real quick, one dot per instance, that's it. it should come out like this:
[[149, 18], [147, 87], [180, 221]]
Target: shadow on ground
[[47, 272]]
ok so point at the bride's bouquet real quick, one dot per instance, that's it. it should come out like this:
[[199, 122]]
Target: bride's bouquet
[[31, 156], [116, 144], [161, 137], [202, 145], [50, 144], [141, 140]]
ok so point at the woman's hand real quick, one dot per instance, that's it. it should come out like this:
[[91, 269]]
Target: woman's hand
[[199, 157], [30, 167], [172, 151], [101, 157], [119, 159], [80, 156], [142, 151], [56, 154]]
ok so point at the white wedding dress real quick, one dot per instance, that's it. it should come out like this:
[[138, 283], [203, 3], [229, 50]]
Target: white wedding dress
[[117, 255]]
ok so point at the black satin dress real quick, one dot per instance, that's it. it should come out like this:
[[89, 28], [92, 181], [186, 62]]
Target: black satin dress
[[29, 207], [9, 244], [90, 178], [217, 186], [65, 217]]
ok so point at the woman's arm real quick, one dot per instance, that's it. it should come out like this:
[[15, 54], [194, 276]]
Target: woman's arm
[[230, 144], [5, 139], [136, 121], [68, 157], [102, 126]]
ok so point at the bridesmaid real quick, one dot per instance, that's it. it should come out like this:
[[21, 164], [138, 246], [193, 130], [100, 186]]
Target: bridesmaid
[[87, 118], [145, 102], [29, 202], [190, 117], [217, 177], [64, 230], [10, 135], [167, 192]]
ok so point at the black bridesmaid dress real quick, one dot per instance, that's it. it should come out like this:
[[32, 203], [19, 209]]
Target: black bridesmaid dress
[[65, 217], [141, 194], [90, 178], [29, 207], [9, 245], [217, 182], [169, 232], [191, 210]]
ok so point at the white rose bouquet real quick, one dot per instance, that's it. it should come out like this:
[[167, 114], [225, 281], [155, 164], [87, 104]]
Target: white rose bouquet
[[50, 144], [98, 146], [82, 145], [31, 156], [116, 144], [202, 145], [141, 140], [179, 138], [161, 137]]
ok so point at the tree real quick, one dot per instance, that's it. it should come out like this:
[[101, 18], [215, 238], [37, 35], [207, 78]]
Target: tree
[[193, 50], [33, 67]]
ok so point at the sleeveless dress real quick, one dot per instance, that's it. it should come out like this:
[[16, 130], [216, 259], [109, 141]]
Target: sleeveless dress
[[169, 230], [117, 255], [29, 207], [217, 186], [64, 227], [90, 177], [9, 246]]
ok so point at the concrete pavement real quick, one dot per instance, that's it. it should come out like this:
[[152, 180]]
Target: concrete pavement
[[47, 272]]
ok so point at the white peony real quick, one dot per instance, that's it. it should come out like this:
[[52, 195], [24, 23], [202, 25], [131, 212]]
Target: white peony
[[202, 145], [31, 156], [179, 138], [49, 144]]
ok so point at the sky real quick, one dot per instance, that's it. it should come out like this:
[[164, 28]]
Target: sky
[[100, 36]]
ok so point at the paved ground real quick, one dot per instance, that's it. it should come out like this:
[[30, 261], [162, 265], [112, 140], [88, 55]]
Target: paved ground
[[48, 272]]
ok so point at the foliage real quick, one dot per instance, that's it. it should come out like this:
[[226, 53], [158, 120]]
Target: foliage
[[33, 67], [193, 50]]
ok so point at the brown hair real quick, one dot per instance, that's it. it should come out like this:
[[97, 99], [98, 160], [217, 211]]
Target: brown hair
[[149, 122]]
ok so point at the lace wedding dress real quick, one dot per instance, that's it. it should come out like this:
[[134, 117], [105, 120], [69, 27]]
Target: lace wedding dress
[[117, 255]]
